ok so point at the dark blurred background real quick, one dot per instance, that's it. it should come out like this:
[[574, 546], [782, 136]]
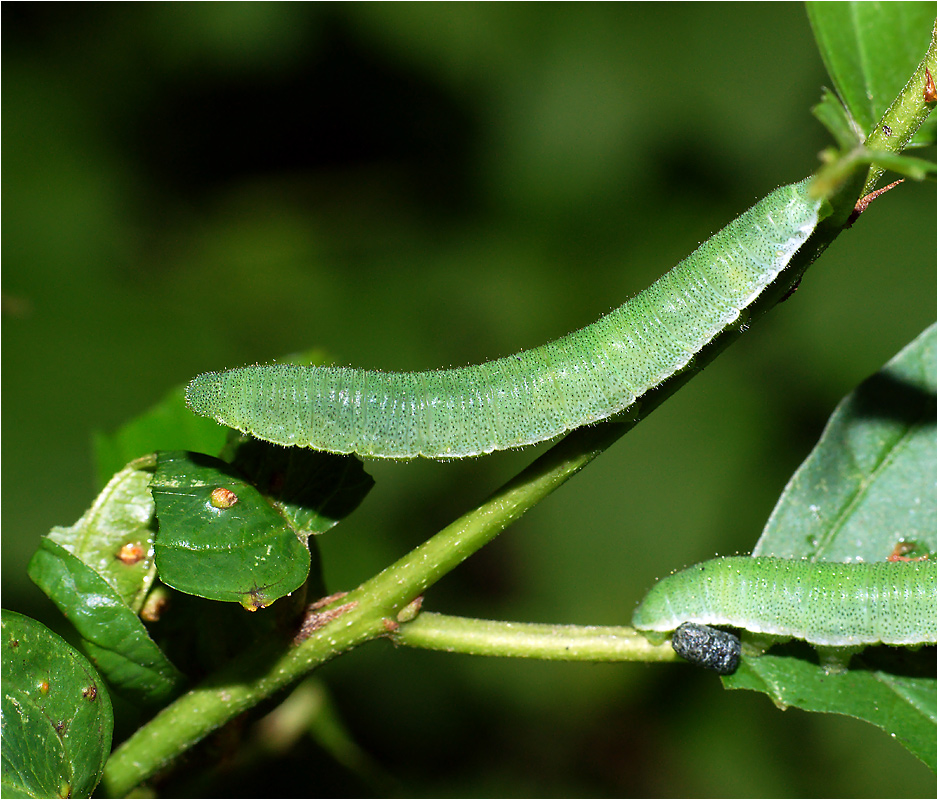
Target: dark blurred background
[[198, 186]]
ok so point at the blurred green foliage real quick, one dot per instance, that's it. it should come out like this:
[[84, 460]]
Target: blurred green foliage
[[198, 186]]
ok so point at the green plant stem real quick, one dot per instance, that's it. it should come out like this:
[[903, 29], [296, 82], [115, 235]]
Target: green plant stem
[[528, 640], [903, 117]]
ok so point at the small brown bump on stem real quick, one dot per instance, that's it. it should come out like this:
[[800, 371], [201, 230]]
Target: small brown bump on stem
[[791, 291], [314, 620], [929, 93], [411, 610]]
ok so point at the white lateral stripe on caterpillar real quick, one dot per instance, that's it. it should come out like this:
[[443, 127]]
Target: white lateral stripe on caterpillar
[[537, 394], [825, 603]]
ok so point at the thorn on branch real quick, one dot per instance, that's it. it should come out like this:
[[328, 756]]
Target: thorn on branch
[[864, 202]]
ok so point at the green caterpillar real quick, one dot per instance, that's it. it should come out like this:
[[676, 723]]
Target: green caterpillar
[[825, 603], [537, 394]]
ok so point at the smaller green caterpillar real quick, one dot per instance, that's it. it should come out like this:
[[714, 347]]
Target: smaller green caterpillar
[[836, 607]]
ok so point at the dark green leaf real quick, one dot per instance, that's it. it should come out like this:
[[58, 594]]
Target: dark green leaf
[[112, 633], [900, 699], [219, 538], [115, 536], [98, 573], [866, 491], [56, 714], [870, 50], [869, 484]]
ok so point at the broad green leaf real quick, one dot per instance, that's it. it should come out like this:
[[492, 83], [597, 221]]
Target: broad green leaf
[[115, 536], [866, 491], [870, 50], [56, 714], [869, 484], [112, 634], [219, 537], [98, 573], [283, 496], [902, 703]]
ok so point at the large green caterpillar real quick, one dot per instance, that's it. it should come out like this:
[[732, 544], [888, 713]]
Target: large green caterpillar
[[537, 394], [825, 603]]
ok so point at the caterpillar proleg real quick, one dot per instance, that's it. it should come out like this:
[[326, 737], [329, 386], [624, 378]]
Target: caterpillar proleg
[[535, 395]]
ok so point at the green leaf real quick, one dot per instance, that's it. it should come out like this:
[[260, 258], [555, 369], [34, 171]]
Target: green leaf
[[870, 49], [115, 536], [900, 703], [914, 168], [866, 491], [56, 714], [283, 496], [219, 537], [869, 484], [112, 634], [832, 114], [98, 572]]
